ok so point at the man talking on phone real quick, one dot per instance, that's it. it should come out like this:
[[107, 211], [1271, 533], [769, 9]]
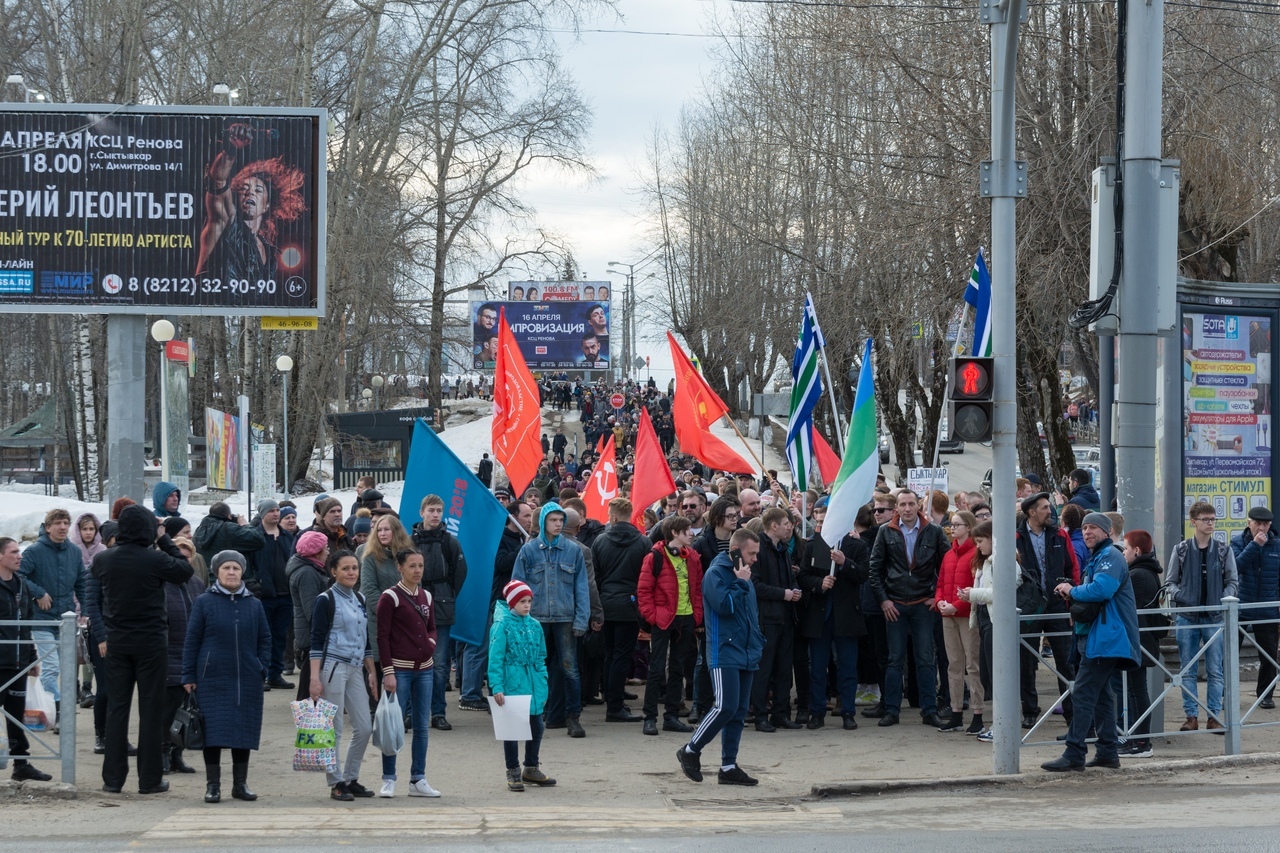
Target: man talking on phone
[[734, 645]]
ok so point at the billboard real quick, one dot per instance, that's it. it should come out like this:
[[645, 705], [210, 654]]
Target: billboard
[[559, 291], [222, 448], [173, 210], [551, 335], [1226, 403]]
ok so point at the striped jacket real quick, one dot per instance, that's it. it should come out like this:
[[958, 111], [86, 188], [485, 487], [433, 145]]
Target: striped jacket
[[406, 629]]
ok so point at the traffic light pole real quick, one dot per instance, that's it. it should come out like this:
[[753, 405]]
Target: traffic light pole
[[1004, 180]]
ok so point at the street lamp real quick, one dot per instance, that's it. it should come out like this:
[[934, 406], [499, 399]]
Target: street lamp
[[368, 396], [377, 382], [162, 332], [19, 80], [284, 364], [224, 89], [627, 306]]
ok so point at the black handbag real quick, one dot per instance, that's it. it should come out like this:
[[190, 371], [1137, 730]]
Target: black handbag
[[187, 731], [1085, 612]]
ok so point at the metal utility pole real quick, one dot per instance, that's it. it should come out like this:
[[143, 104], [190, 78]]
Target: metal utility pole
[[1136, 359], [1003, 179], [1106, 401], [126, 405]]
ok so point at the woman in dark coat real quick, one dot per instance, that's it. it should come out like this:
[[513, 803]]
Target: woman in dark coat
[[179, 599], [225, 660], [1145, 574]]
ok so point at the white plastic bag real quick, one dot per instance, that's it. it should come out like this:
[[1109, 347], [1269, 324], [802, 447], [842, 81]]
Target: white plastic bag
[[388, 725], [315, 745], [42, 711]]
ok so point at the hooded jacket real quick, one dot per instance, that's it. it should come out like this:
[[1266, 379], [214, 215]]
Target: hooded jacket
[[554, 569], [216, 534], [618, 554], [133, 575], [306, 581], [94, 548], [658, 593], [56, 570], [897, 576], [732, 623], [1114, 634], [267, 577], [159, 494], [444, 569], [1086, 497], [1145, 573], [518, 657]]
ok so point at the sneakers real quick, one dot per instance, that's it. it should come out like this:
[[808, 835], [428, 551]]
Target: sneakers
[[690, 764], [735, 776], [867, 697], [953, 723], [535, 776], [985, 736], [422, 789], [339, 792], [514, 782], [388, 788], [473, 705], [975, 726], [1136, 749], [357, 790]]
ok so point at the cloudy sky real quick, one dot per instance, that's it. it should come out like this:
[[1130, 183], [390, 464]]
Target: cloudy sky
[[636, 72]]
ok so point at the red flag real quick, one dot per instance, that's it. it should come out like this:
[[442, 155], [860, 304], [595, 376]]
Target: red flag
[[600, 445], [828, 462], [517, 416], [695, 408], [652, 481], [603, 485]]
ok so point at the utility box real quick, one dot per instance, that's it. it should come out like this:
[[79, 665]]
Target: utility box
[[1102, 245]]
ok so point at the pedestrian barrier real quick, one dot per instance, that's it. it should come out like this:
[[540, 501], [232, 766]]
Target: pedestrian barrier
[[1162, 680], [41, 745]]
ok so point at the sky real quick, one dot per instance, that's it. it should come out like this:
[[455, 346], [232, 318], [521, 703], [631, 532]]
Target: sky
[[636, 72]]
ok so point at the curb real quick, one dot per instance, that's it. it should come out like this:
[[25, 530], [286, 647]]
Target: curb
[[10, 790], [1160, 768]]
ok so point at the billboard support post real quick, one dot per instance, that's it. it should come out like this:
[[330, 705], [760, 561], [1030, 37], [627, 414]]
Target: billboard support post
[[126, 405]]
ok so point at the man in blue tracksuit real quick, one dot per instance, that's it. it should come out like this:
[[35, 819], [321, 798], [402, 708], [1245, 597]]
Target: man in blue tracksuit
[[734, 646]]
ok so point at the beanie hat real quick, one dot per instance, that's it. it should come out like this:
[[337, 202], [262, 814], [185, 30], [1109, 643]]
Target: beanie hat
[[266, 505], [370, 496], [108, 531], [1097, 519], [228, 556], [172, 525], [362, 524], [320, 497], [311, 543], [288, 510], [323, 506], [514, 591]]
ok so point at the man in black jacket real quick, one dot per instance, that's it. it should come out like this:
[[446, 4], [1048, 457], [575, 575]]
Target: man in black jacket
[[618, 554], [444, 572], [133, 575], [485, 470], [832, 581], [17, 652], [222, 531], [269, 581], [904, 576], [776, 594]]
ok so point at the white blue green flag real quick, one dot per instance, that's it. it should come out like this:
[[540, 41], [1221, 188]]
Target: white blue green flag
[[978, 294], [856, 481]]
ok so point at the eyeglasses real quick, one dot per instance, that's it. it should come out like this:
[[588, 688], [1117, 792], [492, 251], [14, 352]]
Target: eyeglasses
[[731, 515], [689, 506], [883, 509], [1208, 519], [958, 524]]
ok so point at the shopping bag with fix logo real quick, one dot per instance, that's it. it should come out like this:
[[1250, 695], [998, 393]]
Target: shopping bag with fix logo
[[315, 747]]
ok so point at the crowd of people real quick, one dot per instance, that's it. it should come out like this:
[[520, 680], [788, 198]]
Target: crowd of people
[[726, 608]]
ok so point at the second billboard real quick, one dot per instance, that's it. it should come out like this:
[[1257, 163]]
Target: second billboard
[[551, 335]]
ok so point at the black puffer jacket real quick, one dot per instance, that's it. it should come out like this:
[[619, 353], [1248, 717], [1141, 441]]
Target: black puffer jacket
[[1145, 574], [845, 597], [179, 599], [133, 575], [772, 577], [16, 604], [444, 569], [618, 554], [505, 561]]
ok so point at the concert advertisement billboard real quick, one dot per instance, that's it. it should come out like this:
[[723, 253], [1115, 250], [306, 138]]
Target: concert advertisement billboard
[[559, 291], [162, 210], [551, 335]]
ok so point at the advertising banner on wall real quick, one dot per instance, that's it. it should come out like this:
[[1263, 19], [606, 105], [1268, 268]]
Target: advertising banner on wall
[[559, 291], [176, 422], [222, 444], [551, 335], [133, 209], [1227, 400]]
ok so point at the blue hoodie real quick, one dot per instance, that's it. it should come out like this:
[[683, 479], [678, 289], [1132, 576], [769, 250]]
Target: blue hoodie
[[557, 573], [159, 494]]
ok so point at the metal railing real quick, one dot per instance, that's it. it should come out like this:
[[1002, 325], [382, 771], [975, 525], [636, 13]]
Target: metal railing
[[1162, 680], [68, 687]]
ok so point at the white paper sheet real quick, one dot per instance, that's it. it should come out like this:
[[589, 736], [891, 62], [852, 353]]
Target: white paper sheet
[[511, 718]]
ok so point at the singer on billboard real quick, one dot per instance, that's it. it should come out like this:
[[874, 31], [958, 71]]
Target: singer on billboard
[[243, 206]]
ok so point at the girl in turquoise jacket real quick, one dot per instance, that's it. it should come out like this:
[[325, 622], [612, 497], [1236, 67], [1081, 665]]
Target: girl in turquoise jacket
[[518, 667]]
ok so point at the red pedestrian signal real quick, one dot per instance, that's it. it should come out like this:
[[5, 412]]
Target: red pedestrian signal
[[971, 414]]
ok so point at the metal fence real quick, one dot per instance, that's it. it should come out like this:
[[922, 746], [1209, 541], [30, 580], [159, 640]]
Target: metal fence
[[41, 744], [1225, 628]]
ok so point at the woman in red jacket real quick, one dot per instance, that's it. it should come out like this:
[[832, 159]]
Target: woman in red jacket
[[670, 600], [961, 639]]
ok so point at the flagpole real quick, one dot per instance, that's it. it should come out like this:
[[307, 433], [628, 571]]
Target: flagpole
[[734, 424]]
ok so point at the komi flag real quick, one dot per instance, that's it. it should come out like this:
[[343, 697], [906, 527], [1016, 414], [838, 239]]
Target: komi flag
[[856, 481], [978, 294], [471, 513], [806, 390]]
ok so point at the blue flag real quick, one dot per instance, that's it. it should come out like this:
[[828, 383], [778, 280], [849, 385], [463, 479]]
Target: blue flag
[[978, 294], [471, 513]]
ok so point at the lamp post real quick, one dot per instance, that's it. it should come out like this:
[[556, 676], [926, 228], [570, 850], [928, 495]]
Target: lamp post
[[284, 364], [162, 332], [224, 89], [19, 80], [368, 398], [628, 303], [377, 382]]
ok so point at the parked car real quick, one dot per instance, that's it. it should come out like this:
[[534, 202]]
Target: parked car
[[884, 448], [945, 443]]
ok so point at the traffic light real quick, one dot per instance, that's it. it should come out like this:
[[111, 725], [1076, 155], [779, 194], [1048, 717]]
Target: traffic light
[[971, 413]]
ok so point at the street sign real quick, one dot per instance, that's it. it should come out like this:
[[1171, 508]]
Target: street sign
[[764, 405], [617, 401], [917, 331], [638, 363], [290, 324]]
